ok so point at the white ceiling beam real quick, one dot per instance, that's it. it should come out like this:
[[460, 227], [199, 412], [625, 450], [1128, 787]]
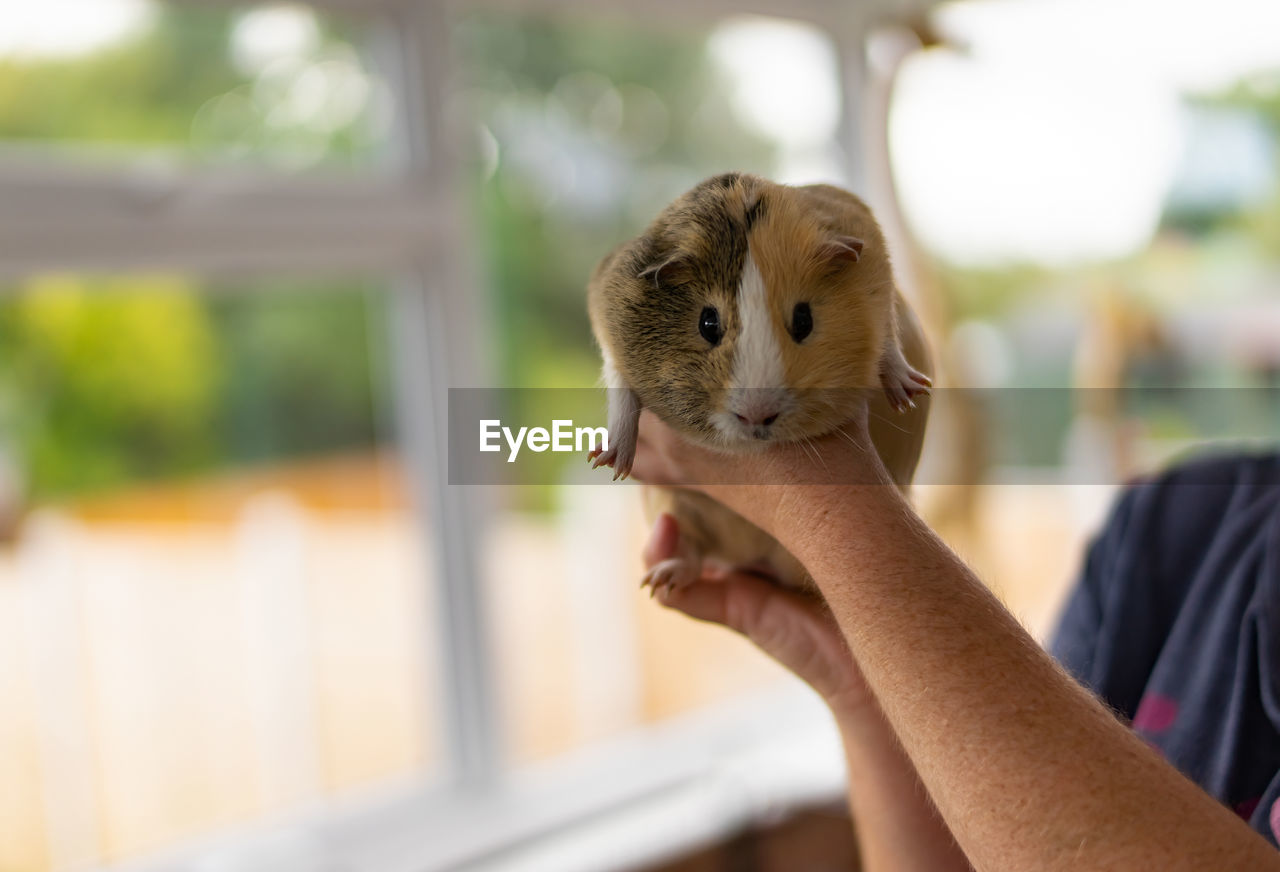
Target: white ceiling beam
[[65, 218], [832, 14], [358, 7], [209, 245]]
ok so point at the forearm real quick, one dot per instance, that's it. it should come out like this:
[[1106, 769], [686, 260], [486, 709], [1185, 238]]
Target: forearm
[[1027, 769], [898, 829]]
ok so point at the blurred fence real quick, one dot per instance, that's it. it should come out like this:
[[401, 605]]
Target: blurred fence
[[162, 680]]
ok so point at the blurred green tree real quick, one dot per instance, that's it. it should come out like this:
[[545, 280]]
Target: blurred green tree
[[109, 380], [142, 90], [112, 380]]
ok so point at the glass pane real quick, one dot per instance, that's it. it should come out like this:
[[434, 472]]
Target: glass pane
[[282, 85], [212, 604], [585, 128]]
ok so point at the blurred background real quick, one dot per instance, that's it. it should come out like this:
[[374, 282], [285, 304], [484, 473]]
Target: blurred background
[[246, 250]]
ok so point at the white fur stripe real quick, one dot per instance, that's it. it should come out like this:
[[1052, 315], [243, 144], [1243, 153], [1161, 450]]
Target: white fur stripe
[[757, 359]]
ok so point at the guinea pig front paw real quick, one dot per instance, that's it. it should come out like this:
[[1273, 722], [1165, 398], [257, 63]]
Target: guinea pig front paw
[[902, 382], [671, 574], [619, 457]]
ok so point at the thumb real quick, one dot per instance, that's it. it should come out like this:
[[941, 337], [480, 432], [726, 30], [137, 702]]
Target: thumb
[[664, 538], [784, 624], [787, 626], [737, 601]]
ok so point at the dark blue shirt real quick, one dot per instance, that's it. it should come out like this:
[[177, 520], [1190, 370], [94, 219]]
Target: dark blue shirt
[[1175, 623]]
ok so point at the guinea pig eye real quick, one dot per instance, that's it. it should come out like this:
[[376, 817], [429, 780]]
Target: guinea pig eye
[[709, 325], [801, 322]]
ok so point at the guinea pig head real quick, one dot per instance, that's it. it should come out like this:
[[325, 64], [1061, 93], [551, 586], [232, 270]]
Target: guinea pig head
[[748, 316]]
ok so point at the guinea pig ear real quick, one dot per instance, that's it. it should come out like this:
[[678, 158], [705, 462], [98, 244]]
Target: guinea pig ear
[[841, 249], [752, 199], [672, 270]]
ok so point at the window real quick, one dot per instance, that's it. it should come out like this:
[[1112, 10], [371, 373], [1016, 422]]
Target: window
[[219, 561], [247, 620]]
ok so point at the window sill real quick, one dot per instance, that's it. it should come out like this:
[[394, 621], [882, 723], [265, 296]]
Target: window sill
[[644, 797]]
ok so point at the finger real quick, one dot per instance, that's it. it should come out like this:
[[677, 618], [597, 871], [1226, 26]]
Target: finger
[[652, 464], [664, 457], [788, 627], [664, 538], [648, 466], [702, 600], [739, 601]]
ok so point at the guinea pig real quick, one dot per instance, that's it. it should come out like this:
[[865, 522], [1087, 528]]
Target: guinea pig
[[750, 313]]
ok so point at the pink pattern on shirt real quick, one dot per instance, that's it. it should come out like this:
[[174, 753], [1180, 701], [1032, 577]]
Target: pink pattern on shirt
[[1156, 713]]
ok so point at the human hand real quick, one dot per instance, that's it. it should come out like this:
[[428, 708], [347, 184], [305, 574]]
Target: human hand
[[794, 629], [781, 483]]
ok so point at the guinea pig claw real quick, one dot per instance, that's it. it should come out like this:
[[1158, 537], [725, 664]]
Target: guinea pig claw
[[620, 462], [673, 573], [902, 382]]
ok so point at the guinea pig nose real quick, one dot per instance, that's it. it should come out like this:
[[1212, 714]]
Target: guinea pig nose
[[758, 408], [757, 420]]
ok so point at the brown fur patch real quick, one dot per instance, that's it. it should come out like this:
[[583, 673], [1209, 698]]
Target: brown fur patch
[[646, 297], [851, 301]]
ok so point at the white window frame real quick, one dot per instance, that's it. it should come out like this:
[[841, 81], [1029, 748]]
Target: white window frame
[[643, 796]]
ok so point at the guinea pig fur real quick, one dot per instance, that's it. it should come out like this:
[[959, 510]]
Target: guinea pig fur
[[750, 313]]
